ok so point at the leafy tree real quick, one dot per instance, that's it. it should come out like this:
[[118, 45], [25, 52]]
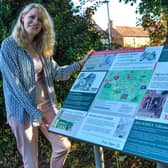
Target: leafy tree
[[128, 1], [154, 19]]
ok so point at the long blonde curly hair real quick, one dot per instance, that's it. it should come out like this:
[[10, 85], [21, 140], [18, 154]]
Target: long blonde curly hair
[[44, 41]]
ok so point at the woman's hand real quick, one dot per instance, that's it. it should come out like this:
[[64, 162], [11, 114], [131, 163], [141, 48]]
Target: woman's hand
[[86, 57]]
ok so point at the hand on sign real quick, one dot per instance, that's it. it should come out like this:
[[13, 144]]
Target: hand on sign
[[85, 58]]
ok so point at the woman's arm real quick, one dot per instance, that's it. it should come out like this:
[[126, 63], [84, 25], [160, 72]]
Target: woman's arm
[[64, 72]]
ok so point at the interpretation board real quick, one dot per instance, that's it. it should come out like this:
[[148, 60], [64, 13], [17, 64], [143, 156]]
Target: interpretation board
[[119, 101]]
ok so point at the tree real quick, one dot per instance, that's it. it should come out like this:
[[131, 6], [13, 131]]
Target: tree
[[154, 19]]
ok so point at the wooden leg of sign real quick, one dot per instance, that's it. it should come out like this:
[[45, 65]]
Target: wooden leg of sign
[[99, 156], [161, 165]]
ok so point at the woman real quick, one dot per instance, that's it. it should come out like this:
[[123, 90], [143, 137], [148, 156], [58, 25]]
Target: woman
[[28, 71]]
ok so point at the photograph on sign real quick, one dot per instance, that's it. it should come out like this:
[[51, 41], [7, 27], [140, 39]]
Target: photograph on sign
[[152, 104]]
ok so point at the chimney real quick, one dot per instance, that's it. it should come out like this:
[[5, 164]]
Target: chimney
[[112, 24]]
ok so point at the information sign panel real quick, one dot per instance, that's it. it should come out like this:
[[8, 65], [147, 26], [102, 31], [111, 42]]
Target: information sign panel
[[120, 101]]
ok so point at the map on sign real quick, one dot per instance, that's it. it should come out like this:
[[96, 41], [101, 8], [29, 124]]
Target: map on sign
[[120, 101], [115, 86]]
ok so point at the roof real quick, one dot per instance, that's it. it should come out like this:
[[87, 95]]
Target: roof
[[127, 31]]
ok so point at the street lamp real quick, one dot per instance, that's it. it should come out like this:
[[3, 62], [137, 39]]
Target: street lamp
[[109, 24]]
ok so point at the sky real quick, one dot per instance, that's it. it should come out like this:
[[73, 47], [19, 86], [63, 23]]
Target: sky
[[120, 13]]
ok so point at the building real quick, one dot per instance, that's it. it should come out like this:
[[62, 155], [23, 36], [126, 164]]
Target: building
[[126, 36]]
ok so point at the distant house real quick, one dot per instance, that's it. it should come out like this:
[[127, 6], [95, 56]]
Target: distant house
[[126, 36], [130, 36]]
